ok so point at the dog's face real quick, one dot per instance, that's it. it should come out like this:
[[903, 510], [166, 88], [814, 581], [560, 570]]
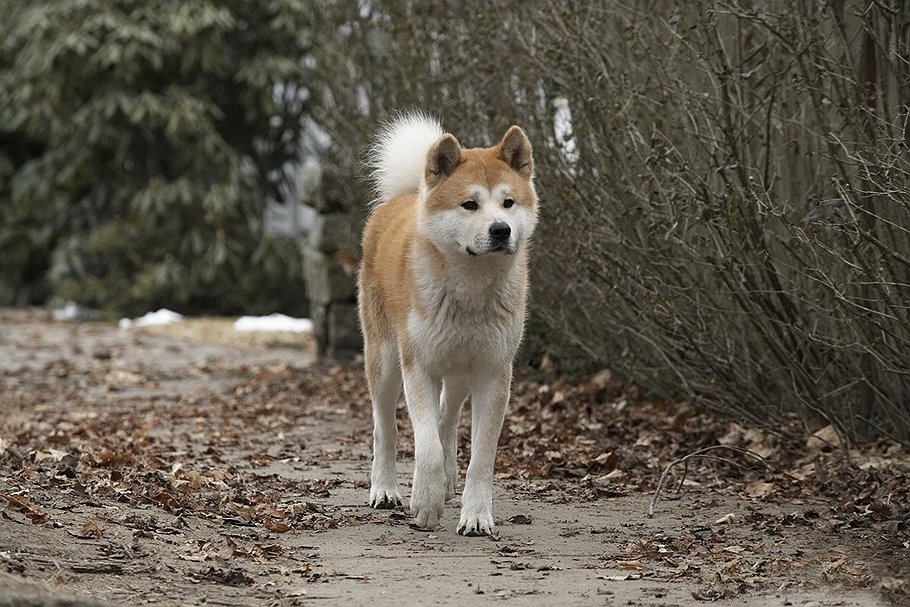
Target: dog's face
[[481, 201]]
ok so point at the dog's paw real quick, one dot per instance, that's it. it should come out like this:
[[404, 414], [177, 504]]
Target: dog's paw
[[384, 498], [428, 499], [427, 506], [475, 523]]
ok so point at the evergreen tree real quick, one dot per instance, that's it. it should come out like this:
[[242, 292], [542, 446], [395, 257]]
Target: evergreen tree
[[139, 143]]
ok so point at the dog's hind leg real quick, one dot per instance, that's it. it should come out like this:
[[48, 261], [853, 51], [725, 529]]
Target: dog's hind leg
[[384, 379], [454, 391]]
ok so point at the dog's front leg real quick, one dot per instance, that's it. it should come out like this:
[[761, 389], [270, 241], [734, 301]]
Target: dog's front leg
[[428, 489], [489, 398]]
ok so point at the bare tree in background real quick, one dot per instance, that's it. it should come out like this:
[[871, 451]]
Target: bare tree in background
[[732, 224]]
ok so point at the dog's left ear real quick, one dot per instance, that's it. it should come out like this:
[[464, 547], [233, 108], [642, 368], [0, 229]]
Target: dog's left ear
[[515, 150], [442, 159]]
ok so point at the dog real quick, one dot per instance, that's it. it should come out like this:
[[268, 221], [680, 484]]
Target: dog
[[442, 292]]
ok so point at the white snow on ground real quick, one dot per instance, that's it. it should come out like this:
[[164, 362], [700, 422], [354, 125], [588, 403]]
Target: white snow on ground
[[278, 323], [68, 312], [152, 319]]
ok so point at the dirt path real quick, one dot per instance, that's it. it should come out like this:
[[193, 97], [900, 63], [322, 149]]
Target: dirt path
[[140, 468]]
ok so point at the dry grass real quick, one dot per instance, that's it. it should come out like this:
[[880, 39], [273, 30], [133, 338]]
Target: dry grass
[[220, 331]]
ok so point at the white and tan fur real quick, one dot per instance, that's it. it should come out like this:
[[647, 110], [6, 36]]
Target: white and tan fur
[[442, 292]]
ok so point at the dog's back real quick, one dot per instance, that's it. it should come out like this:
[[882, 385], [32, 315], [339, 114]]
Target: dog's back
[[386, 277]]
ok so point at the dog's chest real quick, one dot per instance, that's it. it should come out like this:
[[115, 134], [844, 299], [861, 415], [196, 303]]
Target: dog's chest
[[458, 332]]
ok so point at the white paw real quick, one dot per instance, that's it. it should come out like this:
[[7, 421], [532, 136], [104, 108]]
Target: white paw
[[475, 523], [476, 509], [428, 496], [384, 497]]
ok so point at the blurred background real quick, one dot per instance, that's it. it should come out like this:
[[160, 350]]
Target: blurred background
[[725, 185]]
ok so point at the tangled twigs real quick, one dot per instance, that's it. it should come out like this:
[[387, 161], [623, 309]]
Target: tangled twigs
[[699, 453]]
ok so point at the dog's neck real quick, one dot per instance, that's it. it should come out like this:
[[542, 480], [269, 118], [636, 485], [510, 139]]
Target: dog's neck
[[471, 281]]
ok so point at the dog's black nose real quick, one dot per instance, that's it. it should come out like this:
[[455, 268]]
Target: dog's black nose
[[500, 231]]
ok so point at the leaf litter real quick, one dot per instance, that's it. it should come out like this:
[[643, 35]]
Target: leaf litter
[[93, 445]]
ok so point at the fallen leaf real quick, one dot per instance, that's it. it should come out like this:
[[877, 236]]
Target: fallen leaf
[[118, 379], [730, 566], [230, 577], [275, 526], [825, 439], [833, 566], [733, 437], [759, 489], [55, 455], [609, 478], [635, 565], [599, 382], [759, 443], [20, 504], [91, 530], [608, 459]]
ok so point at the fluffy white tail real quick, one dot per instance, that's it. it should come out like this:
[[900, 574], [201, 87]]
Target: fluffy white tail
[[399, 156]]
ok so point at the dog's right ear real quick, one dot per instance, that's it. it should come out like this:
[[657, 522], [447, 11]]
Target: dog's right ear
[[515, 150], [442, 159]]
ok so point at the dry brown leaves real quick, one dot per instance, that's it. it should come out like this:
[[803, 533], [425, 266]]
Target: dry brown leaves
[[578, 438]]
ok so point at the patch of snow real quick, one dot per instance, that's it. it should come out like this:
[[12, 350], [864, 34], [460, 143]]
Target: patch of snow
[[277, 323], [290, 219], [152, 319], [68, 312], [562, 128]]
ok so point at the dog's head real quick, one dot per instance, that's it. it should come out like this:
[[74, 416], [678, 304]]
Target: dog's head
[[479, 201]]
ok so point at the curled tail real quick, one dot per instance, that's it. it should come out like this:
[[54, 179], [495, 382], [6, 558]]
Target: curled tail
[[398, 158]]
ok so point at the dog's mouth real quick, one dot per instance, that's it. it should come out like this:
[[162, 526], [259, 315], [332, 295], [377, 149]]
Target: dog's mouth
[[500, 248]]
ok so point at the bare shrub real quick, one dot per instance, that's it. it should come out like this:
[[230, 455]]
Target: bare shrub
[[731, 222]]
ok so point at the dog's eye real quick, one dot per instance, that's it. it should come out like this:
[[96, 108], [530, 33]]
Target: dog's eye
[[469, 205], [507, 203]]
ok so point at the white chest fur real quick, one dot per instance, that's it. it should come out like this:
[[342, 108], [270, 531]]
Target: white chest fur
[[470, 316]]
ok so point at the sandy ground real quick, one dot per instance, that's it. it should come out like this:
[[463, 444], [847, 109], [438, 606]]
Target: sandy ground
[[142, 468]]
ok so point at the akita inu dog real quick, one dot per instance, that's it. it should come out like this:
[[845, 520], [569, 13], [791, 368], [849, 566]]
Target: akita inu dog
[[442, 291]]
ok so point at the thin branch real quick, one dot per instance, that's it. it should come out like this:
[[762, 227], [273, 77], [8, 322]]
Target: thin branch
[[702, 453]]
